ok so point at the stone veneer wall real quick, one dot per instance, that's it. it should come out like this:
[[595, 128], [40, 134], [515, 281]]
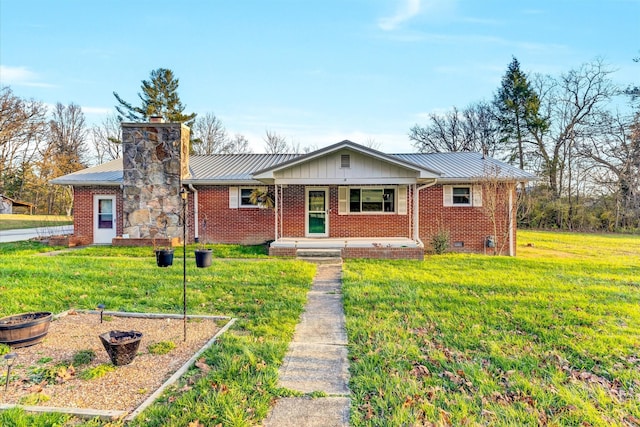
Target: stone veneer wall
[[155, 160]]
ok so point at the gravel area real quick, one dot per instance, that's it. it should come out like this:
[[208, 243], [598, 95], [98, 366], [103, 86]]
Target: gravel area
[[123, 389]]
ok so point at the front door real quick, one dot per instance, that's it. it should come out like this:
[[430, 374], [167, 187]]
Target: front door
[[104, 219], [317, 209]]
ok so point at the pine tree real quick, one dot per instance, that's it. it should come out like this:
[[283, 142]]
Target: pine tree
[[159, 98], [518, 108]]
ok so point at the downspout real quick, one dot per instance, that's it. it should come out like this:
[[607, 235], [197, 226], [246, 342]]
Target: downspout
[[416, 211], [511, 228], [196, 233]]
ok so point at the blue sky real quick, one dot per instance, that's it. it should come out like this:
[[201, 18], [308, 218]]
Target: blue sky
[[316, 72]]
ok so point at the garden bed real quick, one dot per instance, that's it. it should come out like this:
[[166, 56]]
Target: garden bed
[[44, 375]]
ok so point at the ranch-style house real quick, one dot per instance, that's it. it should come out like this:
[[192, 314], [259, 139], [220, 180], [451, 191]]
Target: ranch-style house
[[345, 197]]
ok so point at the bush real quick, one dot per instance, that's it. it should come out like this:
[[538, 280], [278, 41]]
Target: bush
[[440, 242]]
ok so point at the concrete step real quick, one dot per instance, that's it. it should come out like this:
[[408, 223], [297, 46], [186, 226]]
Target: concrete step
[[318, 253]]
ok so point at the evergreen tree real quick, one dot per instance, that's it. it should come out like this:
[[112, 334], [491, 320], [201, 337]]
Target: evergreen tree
[[517, 107], [159, 98]]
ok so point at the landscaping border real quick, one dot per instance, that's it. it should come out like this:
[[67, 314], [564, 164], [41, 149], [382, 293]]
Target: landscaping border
[[88, 413]]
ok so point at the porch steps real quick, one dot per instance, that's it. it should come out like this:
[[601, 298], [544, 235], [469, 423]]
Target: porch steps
[[320, 256]]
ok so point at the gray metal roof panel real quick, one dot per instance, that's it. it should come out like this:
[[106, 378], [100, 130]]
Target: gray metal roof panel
[[109, 173], [466, 165], [239, 168]]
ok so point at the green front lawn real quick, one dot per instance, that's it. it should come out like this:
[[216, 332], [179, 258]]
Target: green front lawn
[[266, 296], [551, 337], [17, 221]]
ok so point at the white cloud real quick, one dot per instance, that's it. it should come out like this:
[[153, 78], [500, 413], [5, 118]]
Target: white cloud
[[20, 76], [407, 10]]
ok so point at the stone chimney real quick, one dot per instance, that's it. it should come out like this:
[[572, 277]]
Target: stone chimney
[[155, 161]]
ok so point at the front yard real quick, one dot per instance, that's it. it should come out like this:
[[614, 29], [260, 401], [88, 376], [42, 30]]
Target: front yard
[[550, 337]]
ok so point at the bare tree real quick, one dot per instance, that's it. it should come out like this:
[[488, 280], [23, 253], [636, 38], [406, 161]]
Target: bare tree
[[22, 129], [274, 143], [107, 139], [570, 103], [238, 144], [209, 135], [473, 129], [64, 153], [613, 144]]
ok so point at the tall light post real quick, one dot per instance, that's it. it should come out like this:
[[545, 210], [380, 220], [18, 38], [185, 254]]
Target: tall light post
[[184, 193]]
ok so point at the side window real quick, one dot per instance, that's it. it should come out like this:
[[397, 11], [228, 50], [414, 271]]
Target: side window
[[462, 196], [245, 197]]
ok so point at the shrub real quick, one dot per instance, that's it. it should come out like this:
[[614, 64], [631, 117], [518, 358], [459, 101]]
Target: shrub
[[440, 241]]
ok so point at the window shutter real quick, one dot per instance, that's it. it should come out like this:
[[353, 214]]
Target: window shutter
[[477, 195], [233, 197], [402, 200], [343, 200], [447, 195]]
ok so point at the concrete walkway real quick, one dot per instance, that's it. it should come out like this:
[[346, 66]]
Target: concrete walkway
[[317, 360]]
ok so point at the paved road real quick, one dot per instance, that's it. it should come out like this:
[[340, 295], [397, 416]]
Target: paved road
[[30, 233]]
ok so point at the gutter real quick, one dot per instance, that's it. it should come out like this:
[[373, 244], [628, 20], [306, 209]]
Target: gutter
[[196, 232]]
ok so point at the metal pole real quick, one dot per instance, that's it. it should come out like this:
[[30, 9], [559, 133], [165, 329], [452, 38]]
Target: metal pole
[[184, 263]]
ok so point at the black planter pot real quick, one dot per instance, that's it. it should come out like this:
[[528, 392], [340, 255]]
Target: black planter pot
[[203, 258], [23, 330], [122, 346], [164, 257]]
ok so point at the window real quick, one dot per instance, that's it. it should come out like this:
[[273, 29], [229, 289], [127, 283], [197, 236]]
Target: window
[[371, 200], [461, 195], [245, 197], [240, 197]]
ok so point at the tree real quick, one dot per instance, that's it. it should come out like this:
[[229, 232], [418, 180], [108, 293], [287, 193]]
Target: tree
[[65, 152], [106, 139], [614, 145], [570, 104], [274, 143], [473, 129], [517, 108], [209, 135], [22, 128], [159, 98]]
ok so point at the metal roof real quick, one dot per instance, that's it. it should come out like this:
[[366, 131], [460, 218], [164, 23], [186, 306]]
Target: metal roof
[[240, 168], [109, 173], [463, 166], [232, 168]]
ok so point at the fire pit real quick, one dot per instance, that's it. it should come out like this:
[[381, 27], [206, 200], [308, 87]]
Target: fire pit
[[22, 330], [122, 346]]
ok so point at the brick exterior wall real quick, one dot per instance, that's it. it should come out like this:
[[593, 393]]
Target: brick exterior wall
[[247, 226], [83, 210], [469, 225]]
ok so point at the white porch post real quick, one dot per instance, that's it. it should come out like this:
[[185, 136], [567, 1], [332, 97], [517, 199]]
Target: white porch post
[[416, 223], [276, 210]]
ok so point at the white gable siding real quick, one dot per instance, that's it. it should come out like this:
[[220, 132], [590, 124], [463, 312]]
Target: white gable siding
[[362, 170]]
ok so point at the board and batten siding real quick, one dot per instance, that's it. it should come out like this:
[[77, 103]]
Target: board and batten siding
[[361, 170]]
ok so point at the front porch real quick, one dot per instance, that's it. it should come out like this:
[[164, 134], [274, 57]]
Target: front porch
[[352, 247]]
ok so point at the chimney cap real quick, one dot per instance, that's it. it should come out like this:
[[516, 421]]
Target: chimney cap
[[156, 119]]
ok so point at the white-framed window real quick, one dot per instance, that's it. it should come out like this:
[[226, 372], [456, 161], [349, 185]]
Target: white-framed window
[[245, 197], [372, 200], [462, 195], [240, 197]]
